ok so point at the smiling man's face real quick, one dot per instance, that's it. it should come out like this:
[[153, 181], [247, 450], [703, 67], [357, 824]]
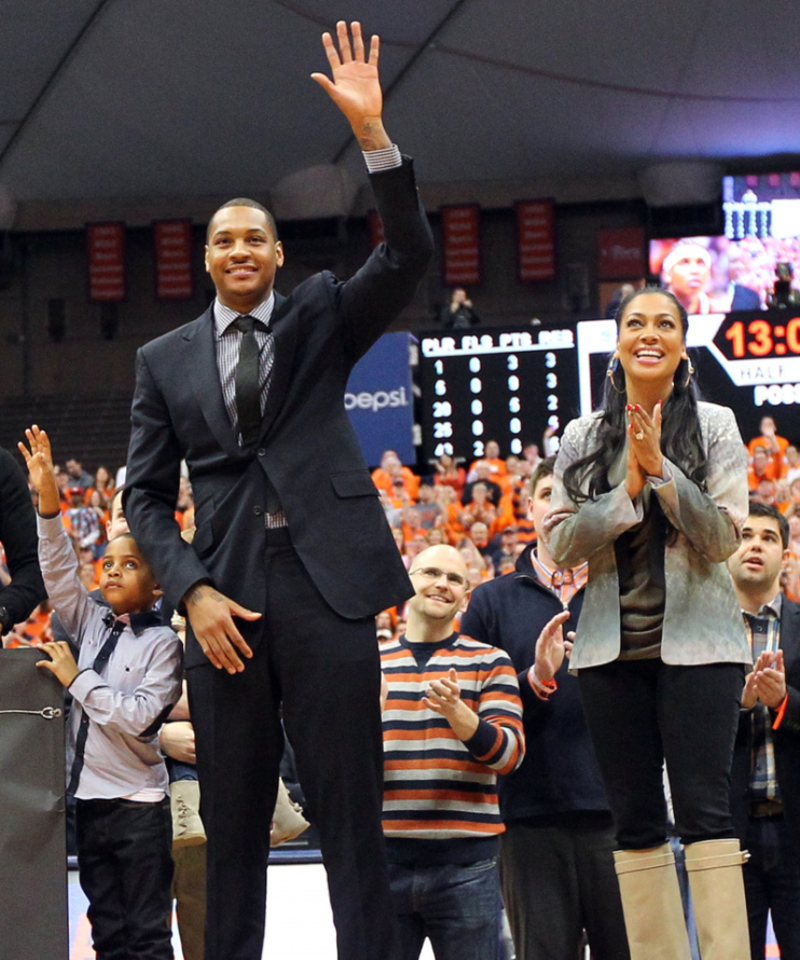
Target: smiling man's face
[[440, 579], [242, 256]]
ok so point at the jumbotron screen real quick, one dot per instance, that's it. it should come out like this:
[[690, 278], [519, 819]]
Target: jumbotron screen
[[717, 275], [762, 205]]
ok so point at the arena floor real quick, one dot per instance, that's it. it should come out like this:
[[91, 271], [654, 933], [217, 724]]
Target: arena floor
[[299, 921]]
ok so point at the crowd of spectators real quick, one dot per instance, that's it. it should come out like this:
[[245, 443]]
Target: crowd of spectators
[[773, 477], [480, 508]]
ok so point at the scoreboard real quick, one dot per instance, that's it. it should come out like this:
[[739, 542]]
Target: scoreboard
[[510, 385], [504, 385]]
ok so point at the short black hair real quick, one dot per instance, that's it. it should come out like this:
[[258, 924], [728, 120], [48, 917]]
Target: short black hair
[[544, 468], [767, 510], [245, 202]]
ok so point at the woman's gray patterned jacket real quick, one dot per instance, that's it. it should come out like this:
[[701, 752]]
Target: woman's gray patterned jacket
[[702, 618]]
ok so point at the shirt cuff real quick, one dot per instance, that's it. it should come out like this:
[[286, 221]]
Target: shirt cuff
[[483, 742], [86, 681], [781, 712], [542, 688], [49, 528], [666, 475], [388, 158]]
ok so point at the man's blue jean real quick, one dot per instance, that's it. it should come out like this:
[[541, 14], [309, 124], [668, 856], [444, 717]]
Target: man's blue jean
[[456, 906]]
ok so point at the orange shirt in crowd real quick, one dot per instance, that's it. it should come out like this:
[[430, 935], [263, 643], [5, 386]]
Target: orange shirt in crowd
[[499, 468], [777, 459], [384, 481], [770, 473], [455, 480]]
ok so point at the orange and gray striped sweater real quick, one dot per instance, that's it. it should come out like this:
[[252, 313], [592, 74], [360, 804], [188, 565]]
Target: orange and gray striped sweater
[[437, 787]]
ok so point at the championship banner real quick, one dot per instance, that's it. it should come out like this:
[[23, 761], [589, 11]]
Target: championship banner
[[536, 240], [105, 244], [620, 254], [376, 235], [461, 239], [172, 240], [379, 400]]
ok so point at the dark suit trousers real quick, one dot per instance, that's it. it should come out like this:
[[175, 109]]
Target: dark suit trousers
[[325, 671]]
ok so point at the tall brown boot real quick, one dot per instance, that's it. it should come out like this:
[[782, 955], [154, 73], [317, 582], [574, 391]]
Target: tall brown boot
[[651, 903], [715, 879]]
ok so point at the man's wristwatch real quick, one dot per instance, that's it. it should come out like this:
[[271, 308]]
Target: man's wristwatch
[[5, 621]]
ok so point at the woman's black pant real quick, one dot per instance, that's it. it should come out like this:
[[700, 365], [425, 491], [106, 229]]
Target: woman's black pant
[[642, 712]]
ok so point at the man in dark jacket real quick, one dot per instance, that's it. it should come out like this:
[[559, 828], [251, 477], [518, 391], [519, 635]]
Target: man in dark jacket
[[291, 539], [765, 780], [18, 536], [556, 859]]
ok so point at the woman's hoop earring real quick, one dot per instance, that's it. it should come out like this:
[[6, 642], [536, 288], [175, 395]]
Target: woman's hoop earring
[[613, 366], [689, 372]]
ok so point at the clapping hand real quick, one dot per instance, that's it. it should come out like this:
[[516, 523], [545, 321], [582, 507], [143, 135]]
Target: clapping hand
[[770, 679], [444, 698], [644, 447], [551, 648]]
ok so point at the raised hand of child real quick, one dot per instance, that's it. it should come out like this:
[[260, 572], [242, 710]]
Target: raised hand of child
[[39, 461]]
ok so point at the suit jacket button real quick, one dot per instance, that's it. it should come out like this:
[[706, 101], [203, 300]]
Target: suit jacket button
[[262, 452], [258, 511]]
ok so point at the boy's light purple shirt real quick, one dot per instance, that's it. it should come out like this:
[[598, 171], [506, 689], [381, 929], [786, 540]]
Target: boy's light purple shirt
[[141, 679]]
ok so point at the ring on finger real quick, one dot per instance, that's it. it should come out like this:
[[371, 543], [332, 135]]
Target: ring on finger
[[639, 435]]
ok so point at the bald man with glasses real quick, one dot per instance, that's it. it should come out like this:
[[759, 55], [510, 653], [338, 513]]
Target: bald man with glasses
[[452, 721]]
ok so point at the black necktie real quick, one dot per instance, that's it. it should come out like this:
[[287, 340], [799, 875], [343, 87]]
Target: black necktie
[[248, 393], [100, 661]]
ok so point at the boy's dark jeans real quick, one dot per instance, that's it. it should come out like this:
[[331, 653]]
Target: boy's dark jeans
[[125, 863]]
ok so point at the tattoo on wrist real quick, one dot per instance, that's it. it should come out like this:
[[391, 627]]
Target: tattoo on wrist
[[371, 135], [195, 592]]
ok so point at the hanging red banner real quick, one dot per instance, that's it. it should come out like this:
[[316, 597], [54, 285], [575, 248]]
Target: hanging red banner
[[172, 240], [461, 237], [376, 235], [536, 240], [620, 253], [105, 244]]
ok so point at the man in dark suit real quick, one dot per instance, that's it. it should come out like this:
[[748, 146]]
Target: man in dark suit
[[765, 798], [302, 558]]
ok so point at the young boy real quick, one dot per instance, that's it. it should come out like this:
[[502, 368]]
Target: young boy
[[126, 680]]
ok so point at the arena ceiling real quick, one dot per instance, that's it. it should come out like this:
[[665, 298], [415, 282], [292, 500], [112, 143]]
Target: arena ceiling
[[176, 98]]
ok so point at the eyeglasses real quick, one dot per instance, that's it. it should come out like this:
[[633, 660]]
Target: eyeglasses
[[434, 573]]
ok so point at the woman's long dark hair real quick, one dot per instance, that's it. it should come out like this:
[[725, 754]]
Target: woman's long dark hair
[[681, 440]]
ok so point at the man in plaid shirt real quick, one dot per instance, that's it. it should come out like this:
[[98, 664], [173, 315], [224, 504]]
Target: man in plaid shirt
[[766, 768]]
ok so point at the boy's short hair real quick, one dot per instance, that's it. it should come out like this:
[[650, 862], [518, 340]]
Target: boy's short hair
[[544, 468], [767, 510]]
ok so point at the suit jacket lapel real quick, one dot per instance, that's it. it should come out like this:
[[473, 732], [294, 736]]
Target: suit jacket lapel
[[201, 366], [285, 339]]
